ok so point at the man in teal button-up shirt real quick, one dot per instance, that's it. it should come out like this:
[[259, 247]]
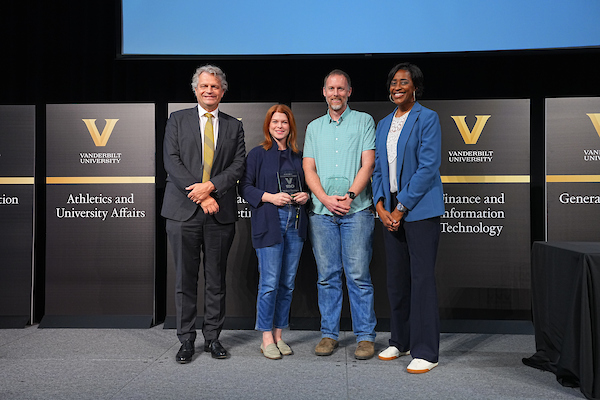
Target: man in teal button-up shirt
[[339, 157]]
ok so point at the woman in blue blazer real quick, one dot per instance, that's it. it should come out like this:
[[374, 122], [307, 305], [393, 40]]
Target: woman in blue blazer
[[407, 191], [272, 185]]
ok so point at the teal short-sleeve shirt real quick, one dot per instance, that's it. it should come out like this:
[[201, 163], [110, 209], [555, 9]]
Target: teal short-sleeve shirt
[[337, 147]]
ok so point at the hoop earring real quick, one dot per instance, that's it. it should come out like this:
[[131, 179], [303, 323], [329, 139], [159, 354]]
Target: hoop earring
[[391, 99]]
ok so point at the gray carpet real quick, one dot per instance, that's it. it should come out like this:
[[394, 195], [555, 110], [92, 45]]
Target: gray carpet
[[139, 364]]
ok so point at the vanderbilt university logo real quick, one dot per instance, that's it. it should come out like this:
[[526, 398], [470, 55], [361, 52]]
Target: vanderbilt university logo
[[470, 137], [100, 140], [596, 121]]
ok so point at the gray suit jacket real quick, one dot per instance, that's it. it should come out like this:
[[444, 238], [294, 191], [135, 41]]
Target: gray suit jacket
[[183, 162]]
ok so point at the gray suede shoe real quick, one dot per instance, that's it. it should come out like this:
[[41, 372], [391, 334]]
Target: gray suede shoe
[[271, 352], [284, 348]]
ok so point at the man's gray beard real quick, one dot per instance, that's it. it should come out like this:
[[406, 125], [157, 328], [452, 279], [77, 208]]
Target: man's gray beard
[[336, 107]]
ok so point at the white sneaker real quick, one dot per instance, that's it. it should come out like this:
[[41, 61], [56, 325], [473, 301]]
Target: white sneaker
[[420, 366], [391, 353]]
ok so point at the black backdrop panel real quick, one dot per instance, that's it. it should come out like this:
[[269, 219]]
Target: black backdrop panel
[[17, 132], [574, 211], [484, 256], [483, 260], [100, 216], [242, 272], [17, 147], [573, 168]]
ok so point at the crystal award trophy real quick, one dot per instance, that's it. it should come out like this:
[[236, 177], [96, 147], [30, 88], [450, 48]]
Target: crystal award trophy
[[289, 182]]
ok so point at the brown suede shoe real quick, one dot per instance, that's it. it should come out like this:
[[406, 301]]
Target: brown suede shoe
[[326, 347], [364, 350]]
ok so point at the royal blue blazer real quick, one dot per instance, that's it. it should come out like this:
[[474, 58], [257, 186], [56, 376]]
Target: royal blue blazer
[[259, 177], [419, 159]]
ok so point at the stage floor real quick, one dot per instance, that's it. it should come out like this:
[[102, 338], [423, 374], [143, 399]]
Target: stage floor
[[140, 364]]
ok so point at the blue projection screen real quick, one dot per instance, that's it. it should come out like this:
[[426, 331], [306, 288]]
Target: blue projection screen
[[267, 27]]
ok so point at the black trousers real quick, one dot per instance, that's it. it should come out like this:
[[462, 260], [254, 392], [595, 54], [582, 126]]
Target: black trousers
[[201, 234], [410, 262]]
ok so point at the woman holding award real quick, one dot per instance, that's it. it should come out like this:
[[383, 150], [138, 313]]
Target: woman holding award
[[272, 185]]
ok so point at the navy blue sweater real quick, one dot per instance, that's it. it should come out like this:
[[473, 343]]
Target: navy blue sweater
[[260, 177]]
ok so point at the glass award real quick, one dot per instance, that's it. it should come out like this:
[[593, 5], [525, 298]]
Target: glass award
[[289, 182]]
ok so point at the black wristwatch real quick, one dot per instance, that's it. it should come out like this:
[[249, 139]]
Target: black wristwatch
[[352, 195]]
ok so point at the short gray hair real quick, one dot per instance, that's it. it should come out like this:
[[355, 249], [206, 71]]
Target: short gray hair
[[337, 72], [209, 69]]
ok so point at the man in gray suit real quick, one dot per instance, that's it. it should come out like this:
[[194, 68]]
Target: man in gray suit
[[204, 155]]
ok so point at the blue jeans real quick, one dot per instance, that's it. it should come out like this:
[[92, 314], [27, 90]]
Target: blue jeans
[[344, 243], [277, 266]]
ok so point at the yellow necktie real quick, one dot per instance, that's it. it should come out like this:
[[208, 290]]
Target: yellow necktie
[[209, 147]]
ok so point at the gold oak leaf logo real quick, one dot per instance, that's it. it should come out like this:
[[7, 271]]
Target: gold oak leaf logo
[[596, 121], [100, 139], [470, 137]]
